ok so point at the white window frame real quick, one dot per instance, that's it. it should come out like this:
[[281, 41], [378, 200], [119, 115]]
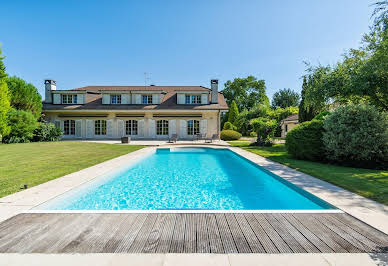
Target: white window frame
[[193, 99], [131, 127], [149, 98], [162, 128], [100, 127], [69, 98], [69, 127], [115, 99], [193, 126], [196, 99]]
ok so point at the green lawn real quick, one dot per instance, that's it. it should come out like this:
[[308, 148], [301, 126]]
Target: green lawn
[[39, 162], [369, 183]]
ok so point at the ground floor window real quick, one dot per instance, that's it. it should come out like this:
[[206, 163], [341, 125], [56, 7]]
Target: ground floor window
[[192, 127], [100, 127], [69, 127], [131, 127], [162, 127]]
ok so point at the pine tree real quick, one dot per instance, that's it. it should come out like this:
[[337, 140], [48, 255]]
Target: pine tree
[[233, 112], [4, 101]]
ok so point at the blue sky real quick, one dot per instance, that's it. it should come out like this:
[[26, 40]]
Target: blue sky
[[183, 42]]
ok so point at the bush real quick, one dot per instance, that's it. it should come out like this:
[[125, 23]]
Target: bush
[[356, 135], [305, 141], [230, 135], [23, 124], [253, 134], [322, 115], [265, 129], [47, 132], [229, 126]]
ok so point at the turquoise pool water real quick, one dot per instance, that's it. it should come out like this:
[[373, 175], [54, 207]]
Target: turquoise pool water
[[189, 178]]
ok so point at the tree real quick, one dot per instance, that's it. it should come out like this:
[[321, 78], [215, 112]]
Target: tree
[[285, 98], [265, 129], [233, 113], [246, 92], [23, 124], [305, 113], [24, 96], [4, 101]]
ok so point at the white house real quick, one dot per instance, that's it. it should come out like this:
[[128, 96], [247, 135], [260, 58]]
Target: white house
[[141, 112]]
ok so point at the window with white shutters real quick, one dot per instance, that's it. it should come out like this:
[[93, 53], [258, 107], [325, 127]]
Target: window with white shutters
[[131, 127], [69, 127]]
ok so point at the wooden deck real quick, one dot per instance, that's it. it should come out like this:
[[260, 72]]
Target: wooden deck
[[189, 233]]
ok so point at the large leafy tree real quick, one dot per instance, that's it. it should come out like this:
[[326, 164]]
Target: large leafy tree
[[361, 75], [246, 92], [24, 96], [4, 101], [285, 98]]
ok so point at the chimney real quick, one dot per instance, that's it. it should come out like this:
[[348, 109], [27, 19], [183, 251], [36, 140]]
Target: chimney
[[214, 90], [50, 85]]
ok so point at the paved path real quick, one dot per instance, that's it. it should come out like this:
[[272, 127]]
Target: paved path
[[189, 233]]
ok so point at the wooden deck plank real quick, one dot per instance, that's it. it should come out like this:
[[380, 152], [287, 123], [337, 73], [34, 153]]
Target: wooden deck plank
[[308, 234], [250, 236], [203, 245], [155, 235], [121, 232], [285, 234], [298, 236], [280, 244], [178, 238], [226, 235], [167, 234], [99, 234], [349, 243], [190, 232], [68, 229], [261, 235], [321, 234], [142, 237], [131, 234], [364, 229], [215, 242], [238, 236], [16, 243], [369, 245]]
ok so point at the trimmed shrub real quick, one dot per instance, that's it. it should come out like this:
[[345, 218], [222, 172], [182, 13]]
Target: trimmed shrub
[[356, 135], [253, 134], [230, 135], [23, 124], [305, 141], [265, 129], [229, 126], [47, 132]]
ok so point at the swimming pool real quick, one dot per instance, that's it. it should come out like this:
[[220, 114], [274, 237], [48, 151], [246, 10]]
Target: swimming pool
[[188, 179]]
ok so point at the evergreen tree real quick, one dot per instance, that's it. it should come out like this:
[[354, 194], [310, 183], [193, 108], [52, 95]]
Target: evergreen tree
[[233, 113], [4, 101], [305, 113]]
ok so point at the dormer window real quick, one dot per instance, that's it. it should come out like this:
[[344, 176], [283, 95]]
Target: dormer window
[[115, 99], [146, 99], [69, 98], [195, 99], [192, 99]]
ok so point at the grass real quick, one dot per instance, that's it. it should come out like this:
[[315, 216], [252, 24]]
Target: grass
[[369, 183], [39, 162]]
